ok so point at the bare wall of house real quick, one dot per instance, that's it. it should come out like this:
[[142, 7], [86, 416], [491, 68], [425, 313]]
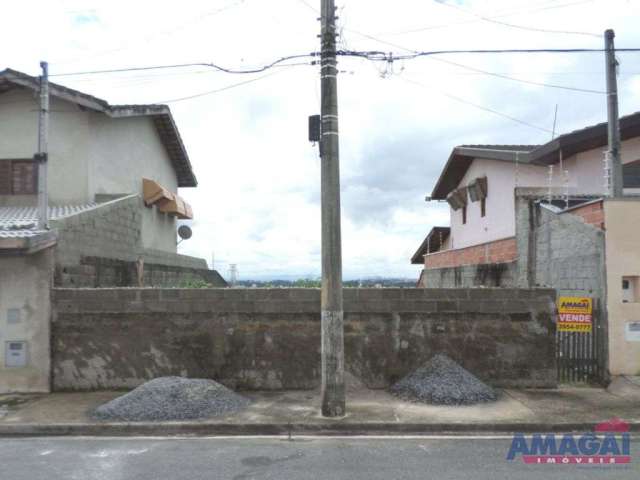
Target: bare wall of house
[[622, 218], [270, 338], [25, 283], [123, 151], [90, 154], [68, 144]]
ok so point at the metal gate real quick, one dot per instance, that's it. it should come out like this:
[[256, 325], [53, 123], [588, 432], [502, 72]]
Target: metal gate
[[580, 356]]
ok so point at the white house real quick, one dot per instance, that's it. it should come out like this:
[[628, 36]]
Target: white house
[[113, 177]]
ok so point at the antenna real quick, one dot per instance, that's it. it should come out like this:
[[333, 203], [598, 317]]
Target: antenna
[[233, 274], [550, 181], [566, 189], [555, 120]]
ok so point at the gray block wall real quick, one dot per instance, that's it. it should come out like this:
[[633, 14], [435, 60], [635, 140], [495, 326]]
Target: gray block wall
[[100, 248], [270, 338], [558, 250]]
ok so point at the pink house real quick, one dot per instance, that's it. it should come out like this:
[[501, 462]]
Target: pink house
[[540, 215], [479, 182]]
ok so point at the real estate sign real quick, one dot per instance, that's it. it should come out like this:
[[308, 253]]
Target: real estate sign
[[575, 314]]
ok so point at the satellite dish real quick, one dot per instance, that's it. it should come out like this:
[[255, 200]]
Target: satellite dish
[[185, 232]]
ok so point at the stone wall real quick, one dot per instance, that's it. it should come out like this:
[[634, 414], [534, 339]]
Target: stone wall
[[270, 338], [101, 248]]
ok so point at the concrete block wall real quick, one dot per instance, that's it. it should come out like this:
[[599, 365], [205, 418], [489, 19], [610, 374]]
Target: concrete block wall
[[559, 250], [112, 230], [270, 338], [100, 248]]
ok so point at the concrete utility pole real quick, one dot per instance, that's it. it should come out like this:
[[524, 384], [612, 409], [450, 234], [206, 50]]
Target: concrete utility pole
[[333, 391], [613, 129], [43, 144]]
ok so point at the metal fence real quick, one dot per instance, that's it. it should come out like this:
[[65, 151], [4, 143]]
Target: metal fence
[[581, 355]]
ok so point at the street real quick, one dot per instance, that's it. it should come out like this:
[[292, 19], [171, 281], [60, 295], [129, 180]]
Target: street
[[279, 458]]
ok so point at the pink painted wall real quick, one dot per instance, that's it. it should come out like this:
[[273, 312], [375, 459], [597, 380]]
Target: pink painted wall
[[585, 177]]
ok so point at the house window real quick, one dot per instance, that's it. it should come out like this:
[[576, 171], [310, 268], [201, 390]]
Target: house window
[[483, 207], [18, 177], [630, 289], [464, 215]]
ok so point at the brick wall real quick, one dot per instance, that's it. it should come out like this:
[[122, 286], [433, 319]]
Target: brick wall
[[499, 251], [270, 338], [591, 214]]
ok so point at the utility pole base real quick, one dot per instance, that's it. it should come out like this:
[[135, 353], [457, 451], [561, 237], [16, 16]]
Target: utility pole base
[[333, 388]]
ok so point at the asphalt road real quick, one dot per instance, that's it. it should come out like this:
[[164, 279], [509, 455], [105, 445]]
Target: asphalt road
[[72, 458]]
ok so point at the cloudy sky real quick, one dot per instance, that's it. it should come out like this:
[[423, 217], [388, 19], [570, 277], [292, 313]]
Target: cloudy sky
[[257, 203]]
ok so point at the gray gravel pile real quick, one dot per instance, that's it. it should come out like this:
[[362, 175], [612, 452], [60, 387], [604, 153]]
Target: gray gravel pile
[[172, 398], [441, 381]]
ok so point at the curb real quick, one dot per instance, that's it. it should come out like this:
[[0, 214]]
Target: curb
[[352, 429]]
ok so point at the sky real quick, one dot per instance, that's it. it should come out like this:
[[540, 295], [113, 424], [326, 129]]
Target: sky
[[257, 204]]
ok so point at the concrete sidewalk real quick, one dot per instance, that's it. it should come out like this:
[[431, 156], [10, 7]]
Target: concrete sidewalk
[[370, 412]]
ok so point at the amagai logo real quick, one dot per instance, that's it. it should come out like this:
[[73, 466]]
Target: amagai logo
[[609, 444]]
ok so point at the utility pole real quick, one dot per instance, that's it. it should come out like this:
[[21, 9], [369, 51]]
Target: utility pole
[[333, 391], [613, 122], [233, 274], [43, 142]]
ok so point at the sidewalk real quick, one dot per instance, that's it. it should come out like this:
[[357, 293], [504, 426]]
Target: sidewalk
[[369, 413]]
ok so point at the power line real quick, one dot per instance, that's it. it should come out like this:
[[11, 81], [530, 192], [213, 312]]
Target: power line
[[384, 56], [448, 25], [478, 106], [306, 4], [506, 77], [201, 16], [228, 87], [183, 65], [511, 25]]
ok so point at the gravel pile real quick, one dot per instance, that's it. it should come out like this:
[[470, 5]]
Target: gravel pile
[[441, 381], [172, 398]]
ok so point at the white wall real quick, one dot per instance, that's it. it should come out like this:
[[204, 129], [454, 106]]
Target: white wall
[[25, 283], [68, 142], [124, 150]]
